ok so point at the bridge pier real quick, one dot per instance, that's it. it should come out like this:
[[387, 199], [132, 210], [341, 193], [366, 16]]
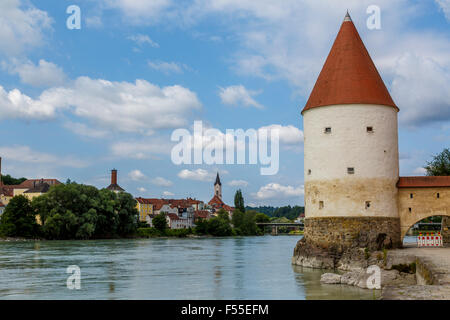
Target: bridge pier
[[274, 230]]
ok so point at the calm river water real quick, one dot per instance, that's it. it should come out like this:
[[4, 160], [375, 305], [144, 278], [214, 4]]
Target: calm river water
[[206, 268]]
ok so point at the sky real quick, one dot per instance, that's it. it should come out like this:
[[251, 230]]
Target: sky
[[76, 103]]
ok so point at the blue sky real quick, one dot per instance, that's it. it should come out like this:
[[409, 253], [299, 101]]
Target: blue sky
[[77, 103]]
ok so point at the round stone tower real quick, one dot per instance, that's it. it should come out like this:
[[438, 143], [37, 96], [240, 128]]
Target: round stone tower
[[350, 153]]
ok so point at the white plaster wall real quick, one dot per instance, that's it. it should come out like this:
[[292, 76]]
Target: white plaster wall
[[373, 155]]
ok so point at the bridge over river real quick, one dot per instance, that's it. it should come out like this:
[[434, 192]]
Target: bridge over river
[[275, 225]]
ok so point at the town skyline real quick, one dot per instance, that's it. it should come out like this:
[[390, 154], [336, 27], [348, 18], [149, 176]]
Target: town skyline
[[74, 120]]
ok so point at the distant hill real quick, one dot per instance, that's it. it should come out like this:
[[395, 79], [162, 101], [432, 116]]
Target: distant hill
[[287, 211]]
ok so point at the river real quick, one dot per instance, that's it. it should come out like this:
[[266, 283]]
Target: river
[[203, 268]]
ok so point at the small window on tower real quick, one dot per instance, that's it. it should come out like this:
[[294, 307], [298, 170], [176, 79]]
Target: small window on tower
[[367, 204], [309, 172], [328, 130], [410, 210], [437, 195], [350, 170], [369, 129], [411, 195], [320, 204]]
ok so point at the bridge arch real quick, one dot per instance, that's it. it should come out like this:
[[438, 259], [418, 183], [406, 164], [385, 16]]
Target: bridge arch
[[406, 222]]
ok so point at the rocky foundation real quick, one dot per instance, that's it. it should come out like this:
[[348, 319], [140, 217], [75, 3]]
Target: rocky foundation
[[345, 242]]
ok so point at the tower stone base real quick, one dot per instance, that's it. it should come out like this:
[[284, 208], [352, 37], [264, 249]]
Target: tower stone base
[[329, 242]]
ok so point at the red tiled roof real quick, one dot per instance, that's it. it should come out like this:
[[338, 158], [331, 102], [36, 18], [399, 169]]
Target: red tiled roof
[[423, 182], [202, 214], [349, 75], [173, 216], [30, 183], [8, 190], [217, 203]]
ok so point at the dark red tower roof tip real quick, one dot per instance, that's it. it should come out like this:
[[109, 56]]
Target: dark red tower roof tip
[[349, 75]]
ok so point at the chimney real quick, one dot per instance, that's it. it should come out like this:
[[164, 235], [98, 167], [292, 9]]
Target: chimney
[[113, 176]]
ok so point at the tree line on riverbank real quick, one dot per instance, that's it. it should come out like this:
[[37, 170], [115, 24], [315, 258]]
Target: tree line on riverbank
[[71, 211], [76, 211]]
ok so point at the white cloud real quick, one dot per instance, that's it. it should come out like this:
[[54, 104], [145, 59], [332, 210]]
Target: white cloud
[[143, 149], [136, 175], [142, 189], [445, 7], [420, 88], [289, 135], [238, 183], [45, 74], [277, 191], [82, 129], [168, 194], [167, 67], [239, 95], [22, 26], [24, 154], [290, 40], [140, 11], [162, 182], [94, 22], [142, 39], [420, 171], [139, 107], [198, 175], [16, 105]]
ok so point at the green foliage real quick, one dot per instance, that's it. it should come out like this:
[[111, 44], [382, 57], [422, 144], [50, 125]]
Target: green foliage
[[18, 219], [76, 211], [160, 222], [180, 233], [8, 180], [440, 165], [239, 201], [148, 232], [261, 217], [220, 226], [201, 227], [287, 211], [245, 223]]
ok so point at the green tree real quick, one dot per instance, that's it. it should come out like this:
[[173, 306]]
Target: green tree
[[160, 222], [201, 226], [261, 218], [220, 226], [8, 180], [76, 211], [239, 201], [19, 220], [440, 165]]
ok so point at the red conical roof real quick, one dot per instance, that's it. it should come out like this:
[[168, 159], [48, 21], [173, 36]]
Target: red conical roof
[[349, 74]]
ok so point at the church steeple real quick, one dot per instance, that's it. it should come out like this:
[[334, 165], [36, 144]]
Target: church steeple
[[217, 180], [218, 187]]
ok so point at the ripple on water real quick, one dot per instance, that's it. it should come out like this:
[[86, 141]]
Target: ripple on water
[[211, 268]]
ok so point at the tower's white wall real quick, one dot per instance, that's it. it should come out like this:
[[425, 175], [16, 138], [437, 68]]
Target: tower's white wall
[[374, 156]]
